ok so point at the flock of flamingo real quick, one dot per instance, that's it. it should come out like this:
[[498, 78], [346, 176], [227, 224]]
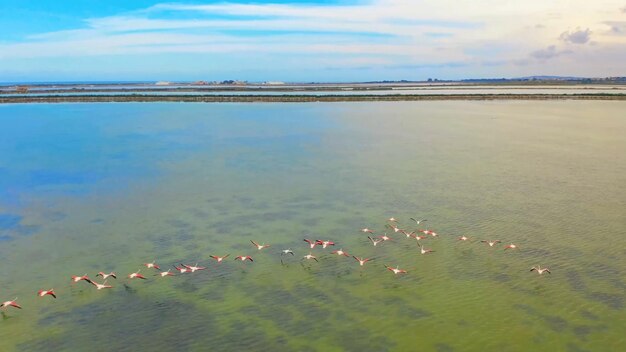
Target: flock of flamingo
[[392, 224]]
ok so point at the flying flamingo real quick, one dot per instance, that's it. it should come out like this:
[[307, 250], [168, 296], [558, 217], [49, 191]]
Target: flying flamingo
[[366, 230], [312, 244], [429, 232], [165, 273], [136, 275], [182, 269], [395, 270], [310, 256], [286, 251], [10, 303], [540, 270], [218, 258], [361, 260], [152, 265], [425, 251], [195, 268], [395, 228], [392, 219], [283, 252], [374, 241], [385, 237], [340, 252], [244, 258], [511, 246], [408, 234], [418, 221], [75, 279], [102, 285], [258, 246], [105, 276], [325, 244], [463, 238], [50, 292], [491, 243], [418, 237]]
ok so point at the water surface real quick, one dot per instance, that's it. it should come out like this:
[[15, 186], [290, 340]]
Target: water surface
[[91, 187]]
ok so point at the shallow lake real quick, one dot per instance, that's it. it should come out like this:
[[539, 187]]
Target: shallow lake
[[107, 187]]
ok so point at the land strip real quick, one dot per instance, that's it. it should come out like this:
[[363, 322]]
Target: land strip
[[295, 98]]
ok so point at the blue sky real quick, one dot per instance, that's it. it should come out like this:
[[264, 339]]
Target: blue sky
[[302, 41]]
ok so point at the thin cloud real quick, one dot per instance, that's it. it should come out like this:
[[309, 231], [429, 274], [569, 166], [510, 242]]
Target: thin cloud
[[437, 35], [579, 36], [348, 29], [548, 53], [617, 27], [377, 11]]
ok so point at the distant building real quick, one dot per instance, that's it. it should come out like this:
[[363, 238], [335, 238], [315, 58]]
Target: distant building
[[21, 89], [199, 83], [234, 82], [162, 83]]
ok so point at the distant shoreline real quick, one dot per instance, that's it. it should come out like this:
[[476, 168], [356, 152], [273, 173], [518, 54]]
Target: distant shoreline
[[296, 98]]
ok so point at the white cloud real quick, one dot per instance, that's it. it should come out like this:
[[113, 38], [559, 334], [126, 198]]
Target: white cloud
[[399, 33]]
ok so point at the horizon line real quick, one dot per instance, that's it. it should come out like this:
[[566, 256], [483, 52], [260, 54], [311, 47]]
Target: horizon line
[[278, 82]]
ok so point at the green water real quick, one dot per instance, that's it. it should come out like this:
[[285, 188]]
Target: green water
[[98, 187]]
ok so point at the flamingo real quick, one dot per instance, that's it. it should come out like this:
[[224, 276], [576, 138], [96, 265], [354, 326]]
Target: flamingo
[[491, 243], [392, 219], [105, 276], [102, 285], [312, 244], [310, 256], [152, 265], [425, 251], [366, 230], [340, 252], [244, 258], [385, 237], [286, 251], [540, 270], [10, 303], [325, 244], [136, 275], [374, 241], [75, 279], [418, 238], [195, 268], [408, 234], [429, 232], [50, 292], [165, 273], [258, 246], [218, 258], [396, 270], [511, 246], [418, 221], [395, 229], [463, 238], [361, 260], [182, 269]]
